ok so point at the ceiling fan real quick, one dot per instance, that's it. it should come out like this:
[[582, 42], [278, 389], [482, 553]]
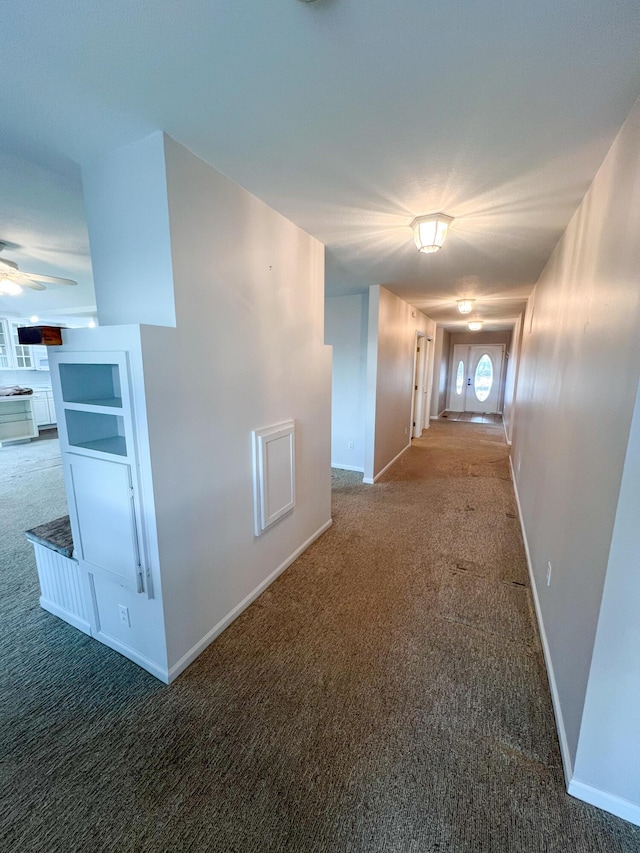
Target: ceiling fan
[[12, 281]]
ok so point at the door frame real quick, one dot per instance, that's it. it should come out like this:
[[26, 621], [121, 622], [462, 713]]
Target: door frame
[[416, 419]]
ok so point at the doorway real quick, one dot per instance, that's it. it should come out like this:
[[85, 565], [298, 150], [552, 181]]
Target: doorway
[[419, 394], [475, 378]]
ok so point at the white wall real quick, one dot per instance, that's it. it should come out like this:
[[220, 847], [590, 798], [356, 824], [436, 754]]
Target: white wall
[[609, 747], [346, 329], [390, 373], [511, 378], [26, 378], [576, 393], [125, 197], [247, 352], [249, 291], [442, 352]]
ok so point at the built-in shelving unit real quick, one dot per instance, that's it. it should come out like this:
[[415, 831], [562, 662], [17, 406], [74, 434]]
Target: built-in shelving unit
[[90, 393], [98, 451]]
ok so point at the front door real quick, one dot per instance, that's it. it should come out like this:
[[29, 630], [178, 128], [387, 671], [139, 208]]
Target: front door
[[475, 378]]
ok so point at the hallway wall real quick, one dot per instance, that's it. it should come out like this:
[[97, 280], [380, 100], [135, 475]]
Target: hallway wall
[[373, 336], [576, 393], [511, 378], [442, 351], [346, 330], [390, 372]]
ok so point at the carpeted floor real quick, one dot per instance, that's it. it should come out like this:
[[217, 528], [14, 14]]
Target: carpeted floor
[[387, 693]]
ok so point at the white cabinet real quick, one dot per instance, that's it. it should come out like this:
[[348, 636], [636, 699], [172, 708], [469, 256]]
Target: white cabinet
[[17, 418], [44, 409], [98, 451]]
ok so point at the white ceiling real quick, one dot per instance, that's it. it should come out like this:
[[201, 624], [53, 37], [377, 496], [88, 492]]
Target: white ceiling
[[348, 116]]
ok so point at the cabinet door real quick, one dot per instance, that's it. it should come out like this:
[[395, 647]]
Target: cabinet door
[[103, 496], [41, 409], [52, 409]]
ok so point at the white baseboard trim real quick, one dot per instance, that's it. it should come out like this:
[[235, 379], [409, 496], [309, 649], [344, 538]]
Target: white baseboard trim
[[567, 763], [146, 663], [506, 436], [602, 800], [210, 636], [66, 615], [347, 467], [375, 479]]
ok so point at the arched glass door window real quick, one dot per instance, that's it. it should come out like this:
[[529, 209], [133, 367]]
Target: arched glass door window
[[460, 378], [483, 380]]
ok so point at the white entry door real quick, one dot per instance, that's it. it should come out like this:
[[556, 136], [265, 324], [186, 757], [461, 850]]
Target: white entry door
[[475, 379]]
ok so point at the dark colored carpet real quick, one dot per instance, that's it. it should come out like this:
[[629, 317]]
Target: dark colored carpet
[[387, 693]]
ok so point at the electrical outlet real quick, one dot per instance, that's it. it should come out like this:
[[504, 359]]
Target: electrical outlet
[[518, 465], [406, 430], [350, 445], [549, 570], [124, 615]]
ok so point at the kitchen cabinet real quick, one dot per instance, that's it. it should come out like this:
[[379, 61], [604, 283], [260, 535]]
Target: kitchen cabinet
[[44, 409], [17, 418]]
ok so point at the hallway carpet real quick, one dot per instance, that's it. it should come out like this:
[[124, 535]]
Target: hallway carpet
[[386, 693]]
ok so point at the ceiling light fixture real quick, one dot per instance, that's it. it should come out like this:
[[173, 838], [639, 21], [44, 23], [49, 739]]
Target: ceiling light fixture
[[474, 326], [8, 287], [465, 306], [429, 232]]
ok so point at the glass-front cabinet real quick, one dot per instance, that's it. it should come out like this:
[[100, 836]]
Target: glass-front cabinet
[[98, 446]]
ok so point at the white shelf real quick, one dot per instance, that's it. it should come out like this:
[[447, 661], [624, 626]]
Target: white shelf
[[93, 405], [91, 430], [91, 384], [114, 445]]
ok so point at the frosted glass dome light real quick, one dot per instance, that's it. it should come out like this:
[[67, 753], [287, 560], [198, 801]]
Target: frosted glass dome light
[[429, 232], [474, 326], [465, 306]]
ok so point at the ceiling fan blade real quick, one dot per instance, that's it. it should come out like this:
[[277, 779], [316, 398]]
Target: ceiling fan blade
[[17, 277], [50, 279], [7, 265], [33, 285]]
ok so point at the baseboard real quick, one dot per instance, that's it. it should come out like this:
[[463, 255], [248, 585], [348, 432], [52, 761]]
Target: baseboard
[[66, 615], [210, 636], [347, 467], [160, 672], [375, 479], [602, 800], [567, 763], [506, 437]]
